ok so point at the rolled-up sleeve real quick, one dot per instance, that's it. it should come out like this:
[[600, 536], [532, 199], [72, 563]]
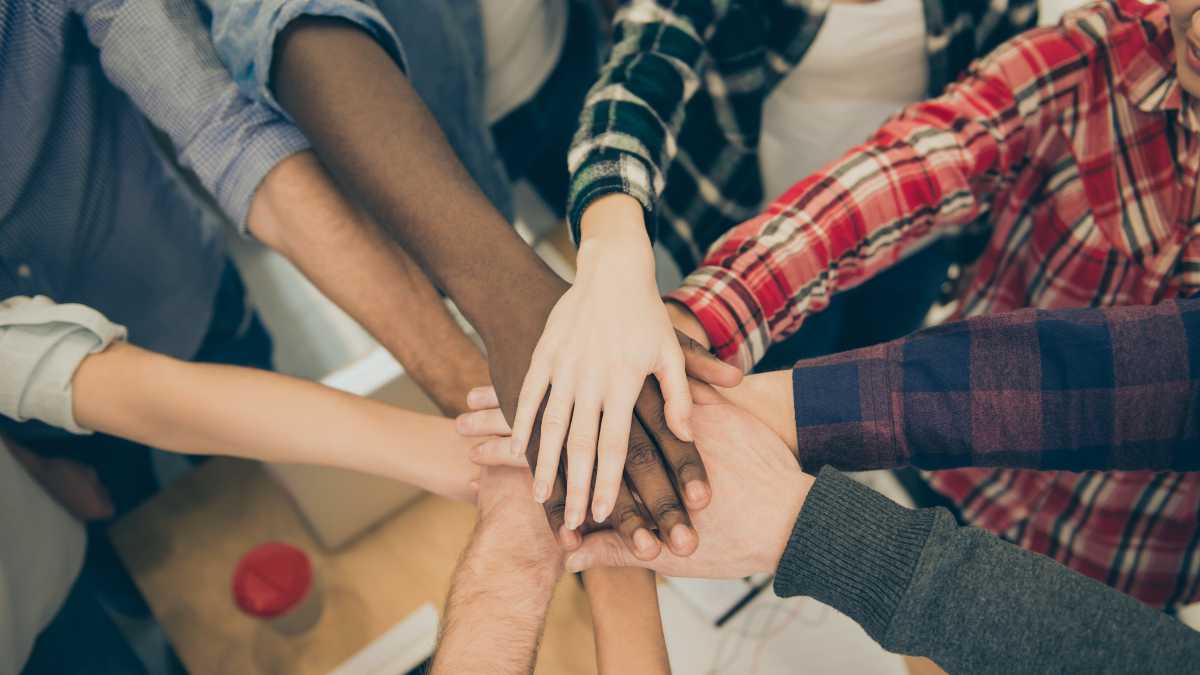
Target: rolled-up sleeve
[[160, 54], [245, 34], [41, 346]]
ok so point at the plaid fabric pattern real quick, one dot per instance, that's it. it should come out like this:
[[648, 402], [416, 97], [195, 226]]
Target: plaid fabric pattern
[[674, 118], [1068, 390], [1079, 146]]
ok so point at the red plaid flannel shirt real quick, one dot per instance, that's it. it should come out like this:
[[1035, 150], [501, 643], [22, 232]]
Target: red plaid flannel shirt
[[1078, 148]]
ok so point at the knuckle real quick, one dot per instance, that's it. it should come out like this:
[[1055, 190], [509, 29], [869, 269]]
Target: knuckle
[[666, 506], [642, 456], [628, 519], [611, 552], [581, 447], [654, 415], [556, 510], [689, 464], [553, 419]]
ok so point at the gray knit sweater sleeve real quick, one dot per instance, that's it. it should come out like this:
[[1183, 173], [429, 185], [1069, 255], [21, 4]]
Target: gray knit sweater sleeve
[[920, 584]]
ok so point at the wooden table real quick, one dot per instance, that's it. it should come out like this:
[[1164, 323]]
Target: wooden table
[[181, 548], [182, 545]]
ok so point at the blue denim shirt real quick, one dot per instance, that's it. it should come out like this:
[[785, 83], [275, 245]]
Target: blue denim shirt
[[438, 43], [90, 212]]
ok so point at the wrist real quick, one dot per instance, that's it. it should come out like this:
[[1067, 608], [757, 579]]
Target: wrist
[[789, 506], [614, 239]]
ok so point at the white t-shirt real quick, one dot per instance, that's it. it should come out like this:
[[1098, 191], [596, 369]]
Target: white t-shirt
[[41, 546], [41, 554], [522, 40], [867, 62]]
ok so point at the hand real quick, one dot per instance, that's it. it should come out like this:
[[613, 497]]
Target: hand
[[602, 339], [512, 525], [758, 491], [629, 518], [75, 486]]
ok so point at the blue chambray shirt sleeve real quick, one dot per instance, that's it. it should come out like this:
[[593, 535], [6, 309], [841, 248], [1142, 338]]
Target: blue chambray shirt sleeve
[[245, 33], [160, 54]]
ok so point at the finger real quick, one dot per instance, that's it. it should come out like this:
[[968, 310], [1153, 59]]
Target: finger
[[555, 513], [553, 432], [488, 422], [633, 526], [702, 365], [482, 398], [647, 473], [530, 400], [581, 457], [602, 549], [612, 448], [673, 381], [683, 458], [497, 452]]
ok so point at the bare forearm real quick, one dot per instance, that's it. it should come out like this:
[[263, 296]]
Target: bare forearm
[[299, 212], [495, 613], [625, 614], [206, 409], [388, 150]]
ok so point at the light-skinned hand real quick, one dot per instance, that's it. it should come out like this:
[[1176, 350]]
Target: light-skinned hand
[[757, 492], [603, 339]]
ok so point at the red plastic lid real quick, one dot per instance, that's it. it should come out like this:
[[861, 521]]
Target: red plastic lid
[[271, 579]]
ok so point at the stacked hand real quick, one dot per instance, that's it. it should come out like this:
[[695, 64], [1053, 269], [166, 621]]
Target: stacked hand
[[591, 348], [757, 487]]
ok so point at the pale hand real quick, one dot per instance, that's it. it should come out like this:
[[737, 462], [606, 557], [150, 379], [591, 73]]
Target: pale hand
[[510, 521], [757, 491], [605, 336]]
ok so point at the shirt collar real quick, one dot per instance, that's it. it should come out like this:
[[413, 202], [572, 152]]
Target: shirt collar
[[1146, 76]]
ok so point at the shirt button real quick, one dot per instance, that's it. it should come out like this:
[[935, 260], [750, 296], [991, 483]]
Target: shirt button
[[23, 271]]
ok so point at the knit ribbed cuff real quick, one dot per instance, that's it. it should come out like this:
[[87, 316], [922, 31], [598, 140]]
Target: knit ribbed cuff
[[854, 550]]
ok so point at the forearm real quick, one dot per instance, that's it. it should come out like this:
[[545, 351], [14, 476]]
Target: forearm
[[299, 212], [206, 409], [388, 150], [495, 612], [920, 584], [625, 615]]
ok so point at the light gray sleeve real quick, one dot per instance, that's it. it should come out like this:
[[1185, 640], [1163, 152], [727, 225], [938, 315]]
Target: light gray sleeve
[[920, 584], [41, 346], [159, 52]]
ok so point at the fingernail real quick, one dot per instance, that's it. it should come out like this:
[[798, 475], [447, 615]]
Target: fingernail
[[541, 491], [697, 492], [515, 448], [643, 541], [600, 511], [576, 562], [680, 536], [573, 519]]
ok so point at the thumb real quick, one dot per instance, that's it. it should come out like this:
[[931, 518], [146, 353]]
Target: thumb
[[497, 452], [702, 365], [482, 398], [602, 549]]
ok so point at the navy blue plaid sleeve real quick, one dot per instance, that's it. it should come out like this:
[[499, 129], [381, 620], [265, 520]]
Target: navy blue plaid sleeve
[[1075, 390]]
